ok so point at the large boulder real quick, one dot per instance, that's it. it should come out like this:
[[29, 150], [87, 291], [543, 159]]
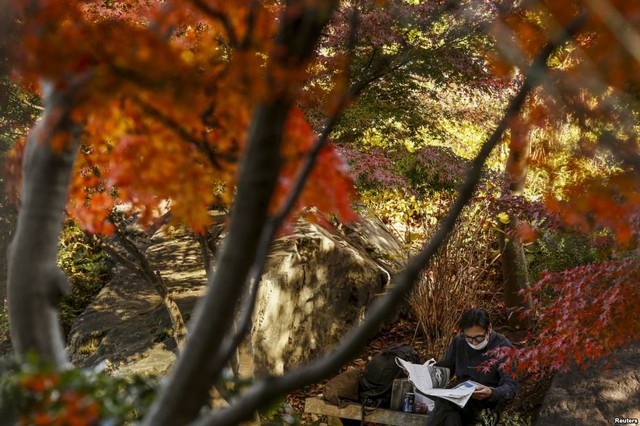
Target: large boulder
[[317, 284], [598, 395]]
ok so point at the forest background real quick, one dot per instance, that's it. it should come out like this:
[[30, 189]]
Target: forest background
[[414, 97]]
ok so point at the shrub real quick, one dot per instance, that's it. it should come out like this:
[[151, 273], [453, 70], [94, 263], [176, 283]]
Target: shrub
[[82, 260], [459, 277], [409, 216], [281, 414], [556, 251], [32, 394], [431, 170]]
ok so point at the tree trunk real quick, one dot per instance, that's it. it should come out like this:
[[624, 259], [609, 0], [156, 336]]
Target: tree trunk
[[35, 283], [214, 317], [7, 228], [208, 250], [514, 266], [515, 277], [9, 39]]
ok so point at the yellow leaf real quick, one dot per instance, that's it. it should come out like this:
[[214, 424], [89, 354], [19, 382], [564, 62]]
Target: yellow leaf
[[503, 217]]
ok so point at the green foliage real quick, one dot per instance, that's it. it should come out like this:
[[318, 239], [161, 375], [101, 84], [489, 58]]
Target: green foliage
[[19, 111], [4, 324], [556, 251], [553, 166], [516, 419], [426, 178], [410, 191], [398, 207], [409, 114], [32, 394], [385, 116], [83, 262]]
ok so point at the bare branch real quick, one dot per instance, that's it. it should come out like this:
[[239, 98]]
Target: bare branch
[[154, 278], [122, 259], [133, 249], [220, 17], [15, 98]]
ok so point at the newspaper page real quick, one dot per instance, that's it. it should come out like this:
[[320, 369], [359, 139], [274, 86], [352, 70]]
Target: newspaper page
[[430, 380], [459, 395], [427, 374]]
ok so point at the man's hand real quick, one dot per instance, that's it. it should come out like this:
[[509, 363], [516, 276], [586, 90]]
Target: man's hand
[[482, 392]]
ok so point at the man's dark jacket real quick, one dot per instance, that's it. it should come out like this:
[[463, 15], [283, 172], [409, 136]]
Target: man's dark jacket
[[461, 360]]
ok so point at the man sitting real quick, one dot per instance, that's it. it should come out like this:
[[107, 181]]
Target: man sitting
[[467, 351]]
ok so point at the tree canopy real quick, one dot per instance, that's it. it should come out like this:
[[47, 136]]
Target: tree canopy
[[186, 104]]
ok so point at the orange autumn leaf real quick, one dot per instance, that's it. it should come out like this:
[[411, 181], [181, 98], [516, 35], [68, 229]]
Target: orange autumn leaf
[[165, 107], [329, 188], [526, 232], [529, 36]]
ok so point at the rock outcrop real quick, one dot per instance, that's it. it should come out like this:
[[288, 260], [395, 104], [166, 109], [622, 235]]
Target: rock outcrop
[[317, 285], [127, 325], [597, 395]]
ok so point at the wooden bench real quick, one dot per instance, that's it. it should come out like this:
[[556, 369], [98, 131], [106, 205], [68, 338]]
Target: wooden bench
[[354, 411]]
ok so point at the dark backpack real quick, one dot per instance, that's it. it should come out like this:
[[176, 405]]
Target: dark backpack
[[374, 389]]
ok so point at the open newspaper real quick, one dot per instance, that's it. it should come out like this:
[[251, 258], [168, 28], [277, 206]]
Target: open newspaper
[[431, 380]]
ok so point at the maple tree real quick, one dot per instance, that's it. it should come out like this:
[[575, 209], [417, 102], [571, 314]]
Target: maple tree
[[198, 103], [140, 128], [591, 83]]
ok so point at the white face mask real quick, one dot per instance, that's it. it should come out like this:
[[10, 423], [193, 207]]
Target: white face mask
[[481, 345]]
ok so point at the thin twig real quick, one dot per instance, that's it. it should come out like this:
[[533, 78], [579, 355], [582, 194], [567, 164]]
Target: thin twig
[[180, 131], [220, 17], [251, 21], [14, 97], [122, 259]]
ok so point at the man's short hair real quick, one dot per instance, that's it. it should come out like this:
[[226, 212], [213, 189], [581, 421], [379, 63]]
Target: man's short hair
[[475, 317]]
